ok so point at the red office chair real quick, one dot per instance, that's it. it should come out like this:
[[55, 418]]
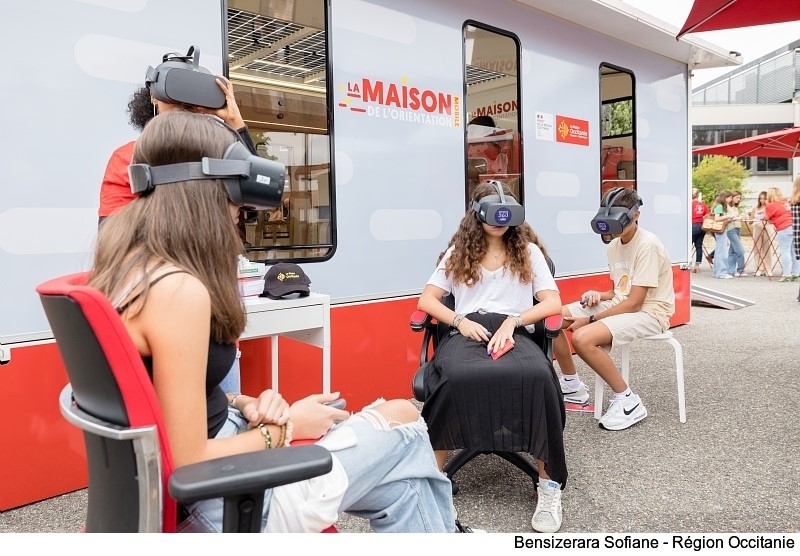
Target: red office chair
[[545, 331], [133, 485]]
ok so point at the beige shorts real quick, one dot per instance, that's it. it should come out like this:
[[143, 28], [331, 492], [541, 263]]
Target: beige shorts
[[625, 328]]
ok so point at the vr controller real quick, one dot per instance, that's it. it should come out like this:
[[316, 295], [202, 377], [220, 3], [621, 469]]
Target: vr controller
[[251, 181], [181, 80], [496, 210]]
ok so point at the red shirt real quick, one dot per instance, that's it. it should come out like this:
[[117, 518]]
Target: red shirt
[[778, 213], [699, 210], [115, 191]]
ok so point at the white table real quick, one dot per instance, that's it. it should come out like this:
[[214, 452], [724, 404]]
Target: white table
[[306, 319]]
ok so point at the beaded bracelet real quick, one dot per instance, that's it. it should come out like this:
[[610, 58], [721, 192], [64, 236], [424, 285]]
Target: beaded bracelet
[[287, 439], [267, 436], [457, 321], [282, 437]]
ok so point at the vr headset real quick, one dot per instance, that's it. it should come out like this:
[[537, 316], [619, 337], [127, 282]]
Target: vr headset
[[613, 220], [251, 181], [181, 80], [495, 210]]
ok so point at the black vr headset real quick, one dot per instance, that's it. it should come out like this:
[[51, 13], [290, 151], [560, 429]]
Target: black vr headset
[[613, 220], [181, 80], [251, 181], [496, 210]]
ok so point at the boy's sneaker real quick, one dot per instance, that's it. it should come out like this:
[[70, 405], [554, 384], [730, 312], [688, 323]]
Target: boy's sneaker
[[575, 391], [622, 413], [547, 516]]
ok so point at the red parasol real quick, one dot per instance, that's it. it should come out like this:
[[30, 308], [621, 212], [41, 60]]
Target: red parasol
[[784, 143], [713, 15]]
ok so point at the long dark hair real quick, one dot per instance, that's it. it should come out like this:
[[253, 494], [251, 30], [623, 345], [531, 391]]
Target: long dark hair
[[186, 224], [469, 245]]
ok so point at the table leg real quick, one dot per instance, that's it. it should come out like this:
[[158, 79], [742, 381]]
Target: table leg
[[274, 355]]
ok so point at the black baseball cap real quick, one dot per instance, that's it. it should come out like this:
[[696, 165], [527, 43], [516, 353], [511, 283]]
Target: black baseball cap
[[284, 279]]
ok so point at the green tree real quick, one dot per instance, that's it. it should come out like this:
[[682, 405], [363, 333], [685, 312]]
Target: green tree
[[617, 118], [718, 173]]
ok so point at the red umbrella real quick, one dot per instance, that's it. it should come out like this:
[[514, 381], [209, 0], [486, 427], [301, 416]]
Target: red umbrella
[[784, 143], [713, 15]]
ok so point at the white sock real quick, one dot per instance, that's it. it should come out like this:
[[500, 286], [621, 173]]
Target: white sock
[[623, 395], [548, 484], [570, 378]]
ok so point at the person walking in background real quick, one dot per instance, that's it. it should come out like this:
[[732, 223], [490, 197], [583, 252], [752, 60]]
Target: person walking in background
[[762, 237], [795, 203], [699, 211], [720, 257], [734, 231], [778, 212]]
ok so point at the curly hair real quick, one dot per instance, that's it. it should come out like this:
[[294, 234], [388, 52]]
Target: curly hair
[[469, 245], [140, 108]]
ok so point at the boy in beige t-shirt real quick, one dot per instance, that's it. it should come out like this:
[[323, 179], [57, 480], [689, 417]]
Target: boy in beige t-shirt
[[639, 304]]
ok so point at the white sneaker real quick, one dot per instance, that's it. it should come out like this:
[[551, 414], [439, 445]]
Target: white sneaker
[[547, 516], [575, 391], [622, 413]]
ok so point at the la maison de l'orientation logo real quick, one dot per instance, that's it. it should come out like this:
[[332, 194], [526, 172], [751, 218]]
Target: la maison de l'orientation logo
[[401, 102]]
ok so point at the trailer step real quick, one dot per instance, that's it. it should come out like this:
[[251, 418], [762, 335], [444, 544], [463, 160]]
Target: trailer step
[[718, 299]]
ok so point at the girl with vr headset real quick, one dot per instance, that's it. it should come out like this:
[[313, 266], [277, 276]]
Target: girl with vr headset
[[168, 262], [501, 283]]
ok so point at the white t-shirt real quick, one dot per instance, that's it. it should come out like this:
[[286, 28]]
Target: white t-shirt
[[497, 291]]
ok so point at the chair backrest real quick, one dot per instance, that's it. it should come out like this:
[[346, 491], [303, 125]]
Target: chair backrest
[[115, 403]]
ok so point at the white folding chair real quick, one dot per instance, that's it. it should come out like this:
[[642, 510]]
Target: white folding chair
[[599, 383]]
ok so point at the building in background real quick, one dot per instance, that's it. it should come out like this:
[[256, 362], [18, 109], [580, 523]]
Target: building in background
[[755, 98]]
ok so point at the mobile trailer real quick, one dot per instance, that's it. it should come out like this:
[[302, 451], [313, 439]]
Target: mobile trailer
[[368, 103]]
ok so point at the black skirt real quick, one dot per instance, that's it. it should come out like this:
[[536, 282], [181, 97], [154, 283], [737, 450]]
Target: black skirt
[[513, 404]]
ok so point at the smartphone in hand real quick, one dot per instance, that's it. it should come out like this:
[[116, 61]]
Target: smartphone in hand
[[501, 352], [337, 404]]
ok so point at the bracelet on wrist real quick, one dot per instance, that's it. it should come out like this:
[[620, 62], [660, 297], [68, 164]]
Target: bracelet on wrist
[[518, 320], [287, 437], [457, 320], [281, 437], [265, 433], [232, 401]]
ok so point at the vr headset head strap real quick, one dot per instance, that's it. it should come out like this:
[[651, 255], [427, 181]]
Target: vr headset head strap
[[499, 187]]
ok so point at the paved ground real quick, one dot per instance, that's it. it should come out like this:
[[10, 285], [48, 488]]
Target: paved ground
[[732, 467]]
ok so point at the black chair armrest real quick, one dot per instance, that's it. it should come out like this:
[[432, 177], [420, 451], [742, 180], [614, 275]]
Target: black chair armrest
[[248, 473]]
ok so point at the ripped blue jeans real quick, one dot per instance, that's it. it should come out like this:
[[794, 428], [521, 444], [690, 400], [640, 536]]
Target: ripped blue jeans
[[393, 480]]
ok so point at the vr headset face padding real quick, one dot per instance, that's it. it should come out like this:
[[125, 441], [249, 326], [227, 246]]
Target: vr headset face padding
[[497, 210], [179, 81], [250, 180], [613, 220]]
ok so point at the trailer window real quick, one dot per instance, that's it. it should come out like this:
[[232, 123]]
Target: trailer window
[[617, 128], [491, 100], [277, 60]]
